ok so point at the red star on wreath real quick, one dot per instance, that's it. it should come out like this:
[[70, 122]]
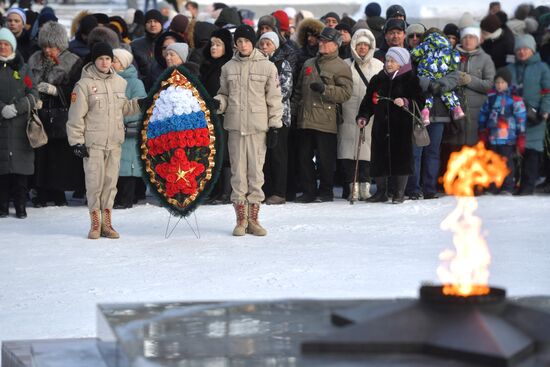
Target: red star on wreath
[[180, 174]]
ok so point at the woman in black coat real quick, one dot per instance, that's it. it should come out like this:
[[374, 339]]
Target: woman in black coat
[[391, 148], [56, 70], [17, 98], [217, 52]]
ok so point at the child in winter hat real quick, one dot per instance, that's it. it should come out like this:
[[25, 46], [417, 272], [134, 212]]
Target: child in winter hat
[[124, 57], [436, 58], [502, 124]]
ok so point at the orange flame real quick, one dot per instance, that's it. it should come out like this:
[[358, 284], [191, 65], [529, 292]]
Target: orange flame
[[465, 271]]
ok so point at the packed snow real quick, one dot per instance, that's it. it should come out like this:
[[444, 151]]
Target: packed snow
[[52, 277]]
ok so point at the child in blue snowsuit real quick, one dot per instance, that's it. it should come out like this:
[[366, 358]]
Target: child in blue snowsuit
[[502, 123], [436, 58]]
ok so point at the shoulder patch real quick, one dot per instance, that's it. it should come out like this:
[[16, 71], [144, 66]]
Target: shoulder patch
[[73, 97]]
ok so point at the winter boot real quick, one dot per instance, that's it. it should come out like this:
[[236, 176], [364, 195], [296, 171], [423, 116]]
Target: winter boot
[[381, 195], [241, 210], [458, 113], [425, 114], [353, 191], [20, 211], [254, 226], [95, 226], [400, 184], [107, 229], [4, 209], [364, 191]]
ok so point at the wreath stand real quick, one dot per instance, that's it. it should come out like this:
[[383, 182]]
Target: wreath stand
[[196, 230]]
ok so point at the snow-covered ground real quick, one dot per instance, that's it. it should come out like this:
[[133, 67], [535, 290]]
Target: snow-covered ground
[[51, 276]]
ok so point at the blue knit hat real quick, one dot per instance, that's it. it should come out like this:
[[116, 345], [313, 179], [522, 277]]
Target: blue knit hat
[[525, 41], [19, 12], [373, 10], [400, 55], [6, 35]]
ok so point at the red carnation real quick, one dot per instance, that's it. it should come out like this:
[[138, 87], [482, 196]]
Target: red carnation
[[375, 98], [28, 81], [309, 70]]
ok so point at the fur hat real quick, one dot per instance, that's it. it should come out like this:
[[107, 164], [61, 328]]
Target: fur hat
[[505, 74], [101, 49], [400, 55], [268, 20], [124, 57], [490, 23], [182, 49], [19, 12], [306, 27], [272, 36], [6, 35], [103, 34], [525, 41], [244, 31], [53, 34], [282, 18], [373, 10], [179, 23]]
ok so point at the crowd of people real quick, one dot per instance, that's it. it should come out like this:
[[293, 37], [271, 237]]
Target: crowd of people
[[306, 103]]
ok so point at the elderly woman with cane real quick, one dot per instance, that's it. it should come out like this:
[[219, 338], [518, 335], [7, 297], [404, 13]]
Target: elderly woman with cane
[[354, 143]]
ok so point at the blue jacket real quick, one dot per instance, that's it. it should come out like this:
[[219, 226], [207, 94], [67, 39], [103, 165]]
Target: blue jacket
[[535, 75], [130, 163], [503, 114]]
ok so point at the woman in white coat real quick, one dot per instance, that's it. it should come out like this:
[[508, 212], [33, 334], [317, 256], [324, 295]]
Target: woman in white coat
[[363, 68]]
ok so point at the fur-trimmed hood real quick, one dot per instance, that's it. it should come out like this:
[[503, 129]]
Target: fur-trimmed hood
[[306, 26], [53, 34], [363, 33]]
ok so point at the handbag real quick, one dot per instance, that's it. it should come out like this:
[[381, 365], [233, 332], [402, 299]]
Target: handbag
[[55, 118], [35, 129], [420, 135]]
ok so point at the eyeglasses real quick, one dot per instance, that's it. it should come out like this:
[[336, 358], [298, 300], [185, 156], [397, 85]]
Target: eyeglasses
[[415, 35]]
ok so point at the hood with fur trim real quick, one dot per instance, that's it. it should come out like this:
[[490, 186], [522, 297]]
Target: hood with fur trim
[[363, 33], [53, 34], [306, 26]]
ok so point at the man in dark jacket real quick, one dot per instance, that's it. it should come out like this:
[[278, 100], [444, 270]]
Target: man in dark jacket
[[143, 48], [497, 41], [324, 82], [375, 21], [394, 36]]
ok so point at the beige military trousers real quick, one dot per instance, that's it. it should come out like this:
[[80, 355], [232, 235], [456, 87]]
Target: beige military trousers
[[101, 169], [247, 157]]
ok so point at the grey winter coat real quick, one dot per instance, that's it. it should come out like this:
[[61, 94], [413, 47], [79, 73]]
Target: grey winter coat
[[348, 132], [481, 69], [16, 154]]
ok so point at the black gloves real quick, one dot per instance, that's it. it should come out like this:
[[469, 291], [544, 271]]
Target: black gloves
[[80, 151], [215, 104], [434, 88], [272, 137], [317, 87]]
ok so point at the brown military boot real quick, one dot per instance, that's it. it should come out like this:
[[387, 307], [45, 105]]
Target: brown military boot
[[254, 226], [95, 226], [107, 229], [241, 210]]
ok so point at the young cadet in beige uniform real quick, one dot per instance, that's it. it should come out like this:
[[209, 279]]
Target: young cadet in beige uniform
[[250, 97], [96, 132]]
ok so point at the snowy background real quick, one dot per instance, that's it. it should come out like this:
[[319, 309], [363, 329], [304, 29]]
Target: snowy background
[[51, 276]]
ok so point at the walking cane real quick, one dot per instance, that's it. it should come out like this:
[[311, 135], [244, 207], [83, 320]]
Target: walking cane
[[355, 187]]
